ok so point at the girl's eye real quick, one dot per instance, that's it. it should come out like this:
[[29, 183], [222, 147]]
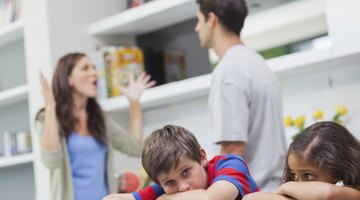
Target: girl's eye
[[309, 177]]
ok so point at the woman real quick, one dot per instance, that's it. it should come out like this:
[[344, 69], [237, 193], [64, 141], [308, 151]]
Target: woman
[[77, 139]]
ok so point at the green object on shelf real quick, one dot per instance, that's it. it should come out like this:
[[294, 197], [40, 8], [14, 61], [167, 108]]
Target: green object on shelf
[[274, 52]]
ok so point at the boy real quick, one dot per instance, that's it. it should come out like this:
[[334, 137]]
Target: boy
[[174, 160]]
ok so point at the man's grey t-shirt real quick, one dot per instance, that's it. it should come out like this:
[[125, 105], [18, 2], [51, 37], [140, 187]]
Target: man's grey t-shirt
[[245, 105]]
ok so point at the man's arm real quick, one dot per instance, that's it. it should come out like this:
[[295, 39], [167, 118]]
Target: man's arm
[[318, 191], [238, 148], [223, 190], [126, 196]]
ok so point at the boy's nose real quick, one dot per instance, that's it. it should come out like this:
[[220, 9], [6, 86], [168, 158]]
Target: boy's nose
[[183, 187]]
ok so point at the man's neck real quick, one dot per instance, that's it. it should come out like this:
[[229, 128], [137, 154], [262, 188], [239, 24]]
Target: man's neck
[[224, 43]]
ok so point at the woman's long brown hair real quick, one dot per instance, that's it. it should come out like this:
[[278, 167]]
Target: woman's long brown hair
[[64, 102]]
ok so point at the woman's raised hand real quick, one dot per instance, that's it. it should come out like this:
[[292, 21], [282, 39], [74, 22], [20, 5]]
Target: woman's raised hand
[[135, 87], [46, 90]]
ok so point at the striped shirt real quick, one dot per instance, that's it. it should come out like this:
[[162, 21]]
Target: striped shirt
[[228, 167]]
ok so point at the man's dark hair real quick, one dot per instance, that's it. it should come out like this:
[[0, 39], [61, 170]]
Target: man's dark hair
[[231, 13]]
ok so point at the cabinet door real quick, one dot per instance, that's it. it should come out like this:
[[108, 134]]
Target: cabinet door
[[344, 26]]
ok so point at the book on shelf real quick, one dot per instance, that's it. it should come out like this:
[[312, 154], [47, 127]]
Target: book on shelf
[[135, 3], [10, 11], [115, 65], [174, 64], [15, 143]]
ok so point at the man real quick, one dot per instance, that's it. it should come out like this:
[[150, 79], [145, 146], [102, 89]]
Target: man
[[245, 98]]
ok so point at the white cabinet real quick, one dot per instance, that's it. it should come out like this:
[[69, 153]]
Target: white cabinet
[[344, 26], [278, 25], [17, 170]]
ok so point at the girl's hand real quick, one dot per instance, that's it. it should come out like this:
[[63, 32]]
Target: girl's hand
[[135, 87], [46, 90]]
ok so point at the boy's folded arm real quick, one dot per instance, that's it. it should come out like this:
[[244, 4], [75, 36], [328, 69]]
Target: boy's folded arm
[[125, 196], [219, 190]]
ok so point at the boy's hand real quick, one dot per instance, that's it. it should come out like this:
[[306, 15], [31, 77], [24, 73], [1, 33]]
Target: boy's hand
[[124, 196]]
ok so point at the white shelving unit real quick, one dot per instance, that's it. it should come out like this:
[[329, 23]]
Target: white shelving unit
[[267, 29], [165, 94], [296, 63], [16, 160], [162, 13], [13, 95], [11, 33], [284, 24], [15, 171], [145, 18]]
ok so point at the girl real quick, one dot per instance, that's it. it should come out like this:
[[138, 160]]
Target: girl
[[77, 139], [322, 163]]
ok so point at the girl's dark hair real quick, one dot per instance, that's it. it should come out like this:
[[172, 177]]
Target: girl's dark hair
[[331, 147], [231, 13], [64, 104]]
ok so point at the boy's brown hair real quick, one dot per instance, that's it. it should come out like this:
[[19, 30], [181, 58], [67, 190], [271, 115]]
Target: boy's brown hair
[[166, 147]]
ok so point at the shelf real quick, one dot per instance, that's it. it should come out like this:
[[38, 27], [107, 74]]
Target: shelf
[[299, 62], [164, 94], [11, 33], [296, 63], [285, 24], [16, 160], [311, 61], [145, 18], [14, 95], [262, 31]]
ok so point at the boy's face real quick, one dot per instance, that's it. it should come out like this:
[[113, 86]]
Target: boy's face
[[304, 171], [188, 175]]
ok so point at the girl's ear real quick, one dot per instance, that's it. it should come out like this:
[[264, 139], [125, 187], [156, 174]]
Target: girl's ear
[[204, 162]]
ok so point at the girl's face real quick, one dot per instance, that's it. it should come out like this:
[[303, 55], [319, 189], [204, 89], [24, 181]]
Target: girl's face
[[304, 171], [83, 78]]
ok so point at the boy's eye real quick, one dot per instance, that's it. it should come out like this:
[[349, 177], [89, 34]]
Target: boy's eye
[[169, 183], [185, 173]]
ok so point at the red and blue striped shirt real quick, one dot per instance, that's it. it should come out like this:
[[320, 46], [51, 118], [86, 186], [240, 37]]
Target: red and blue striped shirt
[[228, 167]]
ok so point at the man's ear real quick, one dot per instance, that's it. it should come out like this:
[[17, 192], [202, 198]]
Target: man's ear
[[212, 19], [204, 161]]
